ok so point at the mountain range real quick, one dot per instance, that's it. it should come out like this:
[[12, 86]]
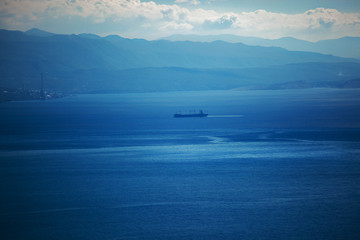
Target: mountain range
[[90, 63], [343, 47]]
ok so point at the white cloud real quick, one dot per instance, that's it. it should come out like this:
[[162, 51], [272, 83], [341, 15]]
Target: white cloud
[[226, 21], [171, 26], [312, 25], [149, 19], [193, 2]]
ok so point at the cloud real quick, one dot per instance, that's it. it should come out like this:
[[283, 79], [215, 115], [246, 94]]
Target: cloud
[[193, 2], [135, 18], [224, 22], [176, 26]]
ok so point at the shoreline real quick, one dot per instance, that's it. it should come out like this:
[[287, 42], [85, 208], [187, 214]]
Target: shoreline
[[9, 95]]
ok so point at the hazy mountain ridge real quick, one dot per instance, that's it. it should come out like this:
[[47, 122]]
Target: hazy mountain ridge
[[343, 47], [87, 63], [300, 75]]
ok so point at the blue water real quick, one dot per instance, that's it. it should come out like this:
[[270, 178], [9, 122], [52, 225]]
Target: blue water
[[263, 165]]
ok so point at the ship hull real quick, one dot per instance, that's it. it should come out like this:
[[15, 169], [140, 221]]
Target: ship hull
[[189, 115]]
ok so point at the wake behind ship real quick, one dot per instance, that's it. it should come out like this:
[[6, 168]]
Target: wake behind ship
[[199, 114]]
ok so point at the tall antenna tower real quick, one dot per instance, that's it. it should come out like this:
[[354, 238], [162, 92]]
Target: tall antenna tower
[[42, 94]]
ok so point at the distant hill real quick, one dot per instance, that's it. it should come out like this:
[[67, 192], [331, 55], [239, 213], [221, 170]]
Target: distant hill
[[343, 47], [299, 75], [90, 63], [39, 33], [353, 83]]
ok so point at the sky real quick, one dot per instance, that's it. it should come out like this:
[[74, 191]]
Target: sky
[[310, 20]]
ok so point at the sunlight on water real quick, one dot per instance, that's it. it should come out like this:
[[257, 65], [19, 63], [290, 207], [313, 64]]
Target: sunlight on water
[[216, 149], [225, 116]]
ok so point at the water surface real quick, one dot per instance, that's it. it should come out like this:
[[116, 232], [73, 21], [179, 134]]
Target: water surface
[[263, 165]]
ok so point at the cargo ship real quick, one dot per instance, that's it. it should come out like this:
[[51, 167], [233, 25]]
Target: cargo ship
[[199, 114]]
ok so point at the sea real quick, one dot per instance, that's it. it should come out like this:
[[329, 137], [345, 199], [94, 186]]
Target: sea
[[264, 164]]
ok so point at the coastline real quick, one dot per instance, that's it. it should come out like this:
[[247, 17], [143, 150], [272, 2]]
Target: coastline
[[9, 95]]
